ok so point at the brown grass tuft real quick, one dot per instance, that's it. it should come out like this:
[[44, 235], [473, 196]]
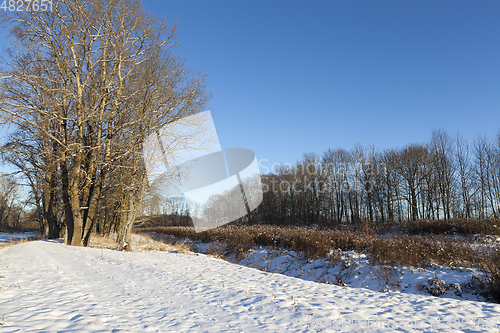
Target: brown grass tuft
[[491, 266], [102, 242]]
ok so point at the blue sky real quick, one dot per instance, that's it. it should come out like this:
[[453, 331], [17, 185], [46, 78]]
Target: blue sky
[[290, 77]]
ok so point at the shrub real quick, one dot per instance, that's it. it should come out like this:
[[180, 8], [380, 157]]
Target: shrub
[[491, 266]]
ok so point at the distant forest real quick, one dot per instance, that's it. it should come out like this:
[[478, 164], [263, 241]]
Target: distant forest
[[445, 178]]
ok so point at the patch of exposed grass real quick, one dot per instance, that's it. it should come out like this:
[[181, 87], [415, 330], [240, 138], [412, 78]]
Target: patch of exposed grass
[[102, 242], [145, 242], [140, 242]]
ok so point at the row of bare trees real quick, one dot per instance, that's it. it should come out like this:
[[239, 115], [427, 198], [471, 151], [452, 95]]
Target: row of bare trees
[[443, 179], [11, 208], [82, 86]]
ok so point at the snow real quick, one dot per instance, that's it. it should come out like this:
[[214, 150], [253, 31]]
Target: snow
[[6, 238], [355, 270], [47, 286]]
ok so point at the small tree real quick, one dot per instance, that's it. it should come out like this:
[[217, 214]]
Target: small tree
[[9, 190]]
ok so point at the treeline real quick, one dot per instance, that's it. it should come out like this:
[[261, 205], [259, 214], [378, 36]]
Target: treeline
[[445, 178]]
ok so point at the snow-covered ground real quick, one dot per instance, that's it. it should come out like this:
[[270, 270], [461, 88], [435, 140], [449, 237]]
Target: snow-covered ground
[[6, 238], [355, 270], [352, 269], [47, 286]]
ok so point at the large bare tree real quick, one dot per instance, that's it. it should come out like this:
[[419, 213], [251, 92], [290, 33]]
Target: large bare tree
[[87, 82]]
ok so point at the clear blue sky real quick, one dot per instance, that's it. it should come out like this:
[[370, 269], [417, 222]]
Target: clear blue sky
[[290, 77]]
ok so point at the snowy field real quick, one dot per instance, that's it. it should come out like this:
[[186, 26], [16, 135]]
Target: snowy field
[[47, 287]]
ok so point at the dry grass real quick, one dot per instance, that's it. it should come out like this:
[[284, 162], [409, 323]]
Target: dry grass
[[453, 227], [314, 243], [20, 240], [491, 266], [417, 251], [387, 276], [102, 242], [180, 247], [140, 243], [389, 251]]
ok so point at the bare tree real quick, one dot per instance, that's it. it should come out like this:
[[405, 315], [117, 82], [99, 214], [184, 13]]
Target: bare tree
[[91, 80], [410, 163], [481, 175], [464, 170], [9, 190], [441, 149], [336, 169]]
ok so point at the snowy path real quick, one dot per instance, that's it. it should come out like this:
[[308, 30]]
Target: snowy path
[[46, 286]]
